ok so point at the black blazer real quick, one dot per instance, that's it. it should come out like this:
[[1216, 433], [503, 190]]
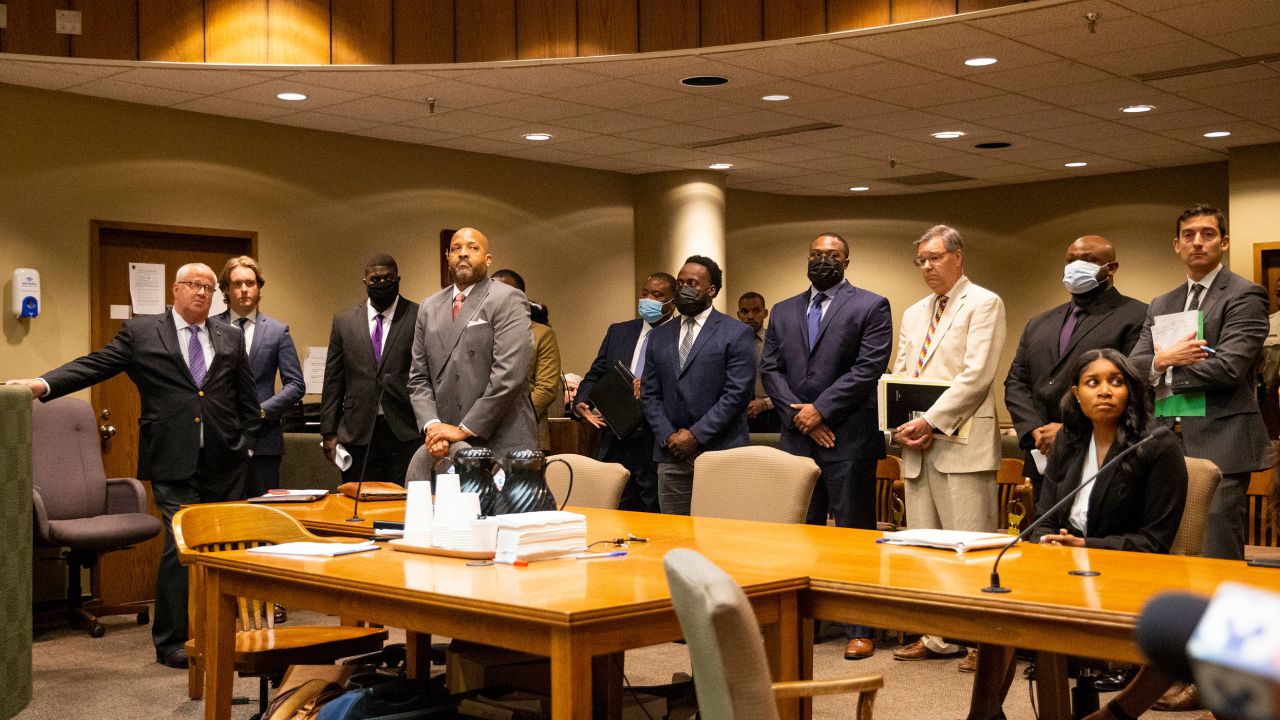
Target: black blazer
[[349, 403], [1139, 511], [173, 408], [1039, 376], [619, 344]]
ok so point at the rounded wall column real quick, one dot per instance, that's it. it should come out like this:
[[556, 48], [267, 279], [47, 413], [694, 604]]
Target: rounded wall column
[[678, 214]]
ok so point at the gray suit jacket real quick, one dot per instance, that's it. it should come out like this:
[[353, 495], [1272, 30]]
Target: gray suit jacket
[[474, 370], [1231, 433], [272, 351]]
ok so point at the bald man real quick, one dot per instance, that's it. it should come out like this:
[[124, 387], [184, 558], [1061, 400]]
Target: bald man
[[1097, 316], [471, 353]]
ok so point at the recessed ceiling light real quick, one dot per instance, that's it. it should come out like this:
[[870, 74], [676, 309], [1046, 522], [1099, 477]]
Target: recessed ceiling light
[[1075, 164], [291, 96], [996, 145], [537, 136], [776, 98], [859, 188], [1217, 134], [720, 166], [948, 134], [981, 61], [704, 81], [1137, 108]]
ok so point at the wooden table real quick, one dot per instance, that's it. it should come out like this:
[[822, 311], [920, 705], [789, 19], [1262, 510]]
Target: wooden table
[[568, 610]]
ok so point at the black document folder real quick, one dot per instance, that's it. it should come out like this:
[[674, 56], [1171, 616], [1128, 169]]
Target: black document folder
[[615, 399], [902, 400]]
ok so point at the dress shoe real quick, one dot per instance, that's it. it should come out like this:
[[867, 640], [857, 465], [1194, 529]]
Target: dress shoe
[[175, 658], [859, 649], [970, 661], [1114, 681], [1179, 698], [918, 651], [281, 615]]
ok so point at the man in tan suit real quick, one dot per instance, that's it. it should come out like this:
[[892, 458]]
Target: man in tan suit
[[954, 334]]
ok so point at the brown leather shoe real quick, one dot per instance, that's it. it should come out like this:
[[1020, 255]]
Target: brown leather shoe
[[970, 661], [1179, 698], [918, 651], [859, 649]]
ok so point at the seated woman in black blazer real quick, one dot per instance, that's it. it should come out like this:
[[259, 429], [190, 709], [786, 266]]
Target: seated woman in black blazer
[[1135, 505]]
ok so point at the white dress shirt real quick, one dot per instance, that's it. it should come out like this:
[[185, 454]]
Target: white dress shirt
[[371, 313], [184, 340], [251, 321], [698, 321], [1079, 517], [645, 329]]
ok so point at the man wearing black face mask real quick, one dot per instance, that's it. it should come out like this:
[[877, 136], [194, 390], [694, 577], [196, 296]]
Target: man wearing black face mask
[[825, 350], [365, 405], [1097, 316], [699, 374]]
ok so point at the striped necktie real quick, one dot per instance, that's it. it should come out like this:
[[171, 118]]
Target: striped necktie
[[928, 336]]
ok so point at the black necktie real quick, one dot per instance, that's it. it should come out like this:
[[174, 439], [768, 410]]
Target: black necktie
[[1196, 291]]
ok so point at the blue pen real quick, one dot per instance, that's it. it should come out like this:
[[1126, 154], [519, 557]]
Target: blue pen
[[1209, 350], [592, 556]]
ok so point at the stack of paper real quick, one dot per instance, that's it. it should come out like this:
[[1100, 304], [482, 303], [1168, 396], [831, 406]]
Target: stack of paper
[[958, 540], [540, 536], [314, 549]]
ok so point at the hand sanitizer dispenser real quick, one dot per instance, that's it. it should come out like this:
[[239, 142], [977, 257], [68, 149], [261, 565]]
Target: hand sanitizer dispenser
[[26, 293]]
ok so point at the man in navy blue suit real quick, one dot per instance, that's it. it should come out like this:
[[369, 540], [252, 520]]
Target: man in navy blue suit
[[824, 352], [699, 375], [626, 342], [271, 351]]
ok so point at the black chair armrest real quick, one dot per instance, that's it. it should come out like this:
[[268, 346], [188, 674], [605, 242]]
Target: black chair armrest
[[40, 517], [125, 495]]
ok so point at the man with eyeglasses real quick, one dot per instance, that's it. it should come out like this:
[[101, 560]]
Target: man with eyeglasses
[[824, 353], [950, 453], [365, 403], [199, 421]]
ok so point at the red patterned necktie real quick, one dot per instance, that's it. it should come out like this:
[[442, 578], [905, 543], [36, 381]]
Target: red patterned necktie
[[928, 336], [457, 304]]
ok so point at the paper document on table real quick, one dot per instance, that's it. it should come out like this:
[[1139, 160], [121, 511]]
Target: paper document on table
[[1167, 330], [958, 540], [314, 549]]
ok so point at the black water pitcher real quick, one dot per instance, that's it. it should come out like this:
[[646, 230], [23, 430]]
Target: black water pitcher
[[525, 489], [475, 467]]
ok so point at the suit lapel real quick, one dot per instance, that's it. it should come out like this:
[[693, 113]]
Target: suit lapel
[[169, 339], [844, 291], [802, 316], [450, 329], [955, 302], [361, 329], [1216, 293], [394, 329], [704, 336], [219, 343], [260, 333], [1101, 486]]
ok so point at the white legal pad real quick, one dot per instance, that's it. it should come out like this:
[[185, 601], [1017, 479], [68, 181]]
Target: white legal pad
[[958, 540], [314, 549]]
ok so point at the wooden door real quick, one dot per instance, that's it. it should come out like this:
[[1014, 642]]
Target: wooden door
[[129, 576]]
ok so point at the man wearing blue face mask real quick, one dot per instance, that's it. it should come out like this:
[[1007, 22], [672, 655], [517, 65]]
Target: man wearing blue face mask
[[626, 342], [1097, 316]]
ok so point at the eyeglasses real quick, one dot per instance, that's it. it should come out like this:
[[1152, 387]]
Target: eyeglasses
[[834, 256], [922, 260], [205, 288], [381, 279]]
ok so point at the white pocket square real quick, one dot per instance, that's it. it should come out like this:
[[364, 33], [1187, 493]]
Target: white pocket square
[[471, 323]]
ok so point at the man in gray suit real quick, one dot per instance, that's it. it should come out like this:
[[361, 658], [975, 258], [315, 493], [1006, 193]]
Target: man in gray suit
[[271, 351], [471, 354], [1222, 365]]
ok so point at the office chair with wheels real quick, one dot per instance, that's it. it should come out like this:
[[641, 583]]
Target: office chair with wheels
[[78, 507]]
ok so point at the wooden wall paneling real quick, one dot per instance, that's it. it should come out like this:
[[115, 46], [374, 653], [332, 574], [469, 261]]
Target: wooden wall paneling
[[726, 22], [907, 10], [964, 6], [171, 30], [361, 32], [855, 14], [794, 18], [608, 27], [108, 30], [669, 24], [298, 32], [30, 31], [235, 31], [484, 30], [546, 28], [423, 31]]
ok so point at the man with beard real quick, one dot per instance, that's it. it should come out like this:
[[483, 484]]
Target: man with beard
[[698, 378], [365, 404], [471, 352], [824, 353]]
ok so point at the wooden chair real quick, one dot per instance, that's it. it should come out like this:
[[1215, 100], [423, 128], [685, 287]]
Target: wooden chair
[[730, 670], [595, 484], [1014, 494], [262, 650], [753, 483], [1262, 527], [891, 503]]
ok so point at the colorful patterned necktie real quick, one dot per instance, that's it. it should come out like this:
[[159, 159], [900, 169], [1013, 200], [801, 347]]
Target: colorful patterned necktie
[[928, 336], [457, 304], [195, 356], [376, 338]]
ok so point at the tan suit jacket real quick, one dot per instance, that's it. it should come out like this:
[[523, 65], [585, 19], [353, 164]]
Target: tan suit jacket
[[545, 382], [965, 351]]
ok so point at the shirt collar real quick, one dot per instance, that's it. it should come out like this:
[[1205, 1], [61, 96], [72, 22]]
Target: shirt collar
[[181, 324], [1207, 280], [701, 318], [386, 314], [466, 293], [234, 318]]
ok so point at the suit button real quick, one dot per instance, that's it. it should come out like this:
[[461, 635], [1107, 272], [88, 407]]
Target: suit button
[[196, 420], [1050, 382]]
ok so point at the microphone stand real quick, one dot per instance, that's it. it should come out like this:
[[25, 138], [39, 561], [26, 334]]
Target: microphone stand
[[364, 462], [995, 586]]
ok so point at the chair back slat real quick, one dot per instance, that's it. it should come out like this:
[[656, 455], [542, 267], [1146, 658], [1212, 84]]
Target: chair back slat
[[888, 474], [1262, 528]]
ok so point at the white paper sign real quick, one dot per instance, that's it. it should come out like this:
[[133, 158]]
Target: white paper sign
[[217, 303], [120, 312], [313, 369], [146, 288]]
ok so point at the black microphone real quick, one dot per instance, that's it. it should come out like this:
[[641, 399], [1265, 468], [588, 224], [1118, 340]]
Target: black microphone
[[995, 587], [1164, 629], [364, 462]]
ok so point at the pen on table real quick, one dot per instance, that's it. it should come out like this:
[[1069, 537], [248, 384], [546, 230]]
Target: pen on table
[[591, 555]]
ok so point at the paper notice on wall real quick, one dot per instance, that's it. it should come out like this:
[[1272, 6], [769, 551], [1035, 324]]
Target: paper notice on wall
[[313, 369], [120, 312], [146, 288], [217, 304]]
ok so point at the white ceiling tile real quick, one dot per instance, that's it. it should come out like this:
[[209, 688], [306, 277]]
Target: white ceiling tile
[[628, 66], [840, 109], [768, 186], [797, 60], [1110, 110], [1113, 35], [1064, 17], [999, 171], [1196, 118], [879, 144], [752, 121], [536, 108], [616, 93], [990, 107], [919, 41], [1119, 90], [674, 135], [1116, 143], [1040, 120], [800, 92], [72, 67], [38, 76], [1158, 58], [1242, 133], [790, 154], [848, 164], [840, 132], [901, 120], [453, 94], [547, 154], [133, 93], [688, 108], [1010, 54], [217, 105], [1219, 16], [1031, 150], [1044, 75], [933, 93], [364, 81], [462, 122], [1148, 7], [884, 172], [317, 96], [1171, 154], [320, 121], [189, 79], [678, 157], [670, 77], [604, 145], [406, 134], [746, 146], [1216, 78], [614, 164], [478, 145], [1257, 109], [386, 110], [1267, 89], [876, 76], [516, 134], [536, 80], [1261, 40], [1186, 160], [609, 122], [1082, 135]]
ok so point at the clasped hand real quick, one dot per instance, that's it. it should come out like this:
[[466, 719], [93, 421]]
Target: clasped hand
[[440, 435], [916, 434], [810, 422], [1184, 352], [682, 444]]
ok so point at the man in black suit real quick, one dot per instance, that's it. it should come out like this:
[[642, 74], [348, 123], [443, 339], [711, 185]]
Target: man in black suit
[[365, 403], [626, 342], [199, 421], [760, 415], [1097, 316], [824, 353]]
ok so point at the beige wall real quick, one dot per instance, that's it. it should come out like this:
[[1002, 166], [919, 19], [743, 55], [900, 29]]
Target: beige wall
[[322, 203], [1255, 202], [1015, 237]]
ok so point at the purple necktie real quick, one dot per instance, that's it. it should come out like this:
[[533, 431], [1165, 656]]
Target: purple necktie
[[1068, 327], [815, 318], [195, 356], [644, 343], [377, 339]]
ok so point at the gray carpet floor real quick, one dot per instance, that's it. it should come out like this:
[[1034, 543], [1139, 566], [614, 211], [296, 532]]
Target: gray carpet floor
[[116, 678]]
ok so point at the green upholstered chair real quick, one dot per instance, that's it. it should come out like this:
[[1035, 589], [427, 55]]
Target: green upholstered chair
[[15, 550]]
